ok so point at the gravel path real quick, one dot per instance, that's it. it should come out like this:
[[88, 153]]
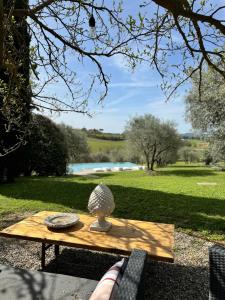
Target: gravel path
[[187, 278]]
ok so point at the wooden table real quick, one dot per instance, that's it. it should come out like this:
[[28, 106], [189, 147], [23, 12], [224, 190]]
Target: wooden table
[[155, 238]]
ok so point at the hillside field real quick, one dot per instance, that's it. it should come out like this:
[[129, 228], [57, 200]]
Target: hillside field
[[198, 144], [97, 145]]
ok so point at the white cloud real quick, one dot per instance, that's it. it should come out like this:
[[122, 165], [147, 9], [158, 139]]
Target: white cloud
[[121, 99], [120, 62], [134, 84]]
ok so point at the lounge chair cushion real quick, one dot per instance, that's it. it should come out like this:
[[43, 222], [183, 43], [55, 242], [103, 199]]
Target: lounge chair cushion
[[28, 285], [106, 285]]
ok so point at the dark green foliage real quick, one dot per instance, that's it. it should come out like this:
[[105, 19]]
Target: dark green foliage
[[46, 152], [76, 143], [208, 159], [14, 95], [207, 114]]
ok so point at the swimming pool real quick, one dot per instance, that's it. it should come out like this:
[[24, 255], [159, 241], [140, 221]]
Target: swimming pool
[[90, 166]]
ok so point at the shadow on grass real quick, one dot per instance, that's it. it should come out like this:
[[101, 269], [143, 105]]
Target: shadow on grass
[[186, 166], [90, 176], [193, 213], [183, 172]]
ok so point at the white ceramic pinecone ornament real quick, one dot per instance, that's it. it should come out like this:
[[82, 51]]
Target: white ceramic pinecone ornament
[[101, 204]]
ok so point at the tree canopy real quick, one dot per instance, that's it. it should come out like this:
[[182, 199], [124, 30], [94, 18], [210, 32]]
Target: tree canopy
[[207, 114], [46, 151], [155, 140], [160, 30], [178, 37]]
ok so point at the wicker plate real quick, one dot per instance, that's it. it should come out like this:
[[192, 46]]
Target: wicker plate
[[61, 220]]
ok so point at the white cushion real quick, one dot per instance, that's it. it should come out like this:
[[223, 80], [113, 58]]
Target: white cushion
[[105, 286]]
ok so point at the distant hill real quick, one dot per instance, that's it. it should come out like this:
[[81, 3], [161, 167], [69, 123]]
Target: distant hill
[[99, 134], [190, 135], [99, 141]]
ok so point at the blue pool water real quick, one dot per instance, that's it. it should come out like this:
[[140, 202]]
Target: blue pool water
[[88, 166]]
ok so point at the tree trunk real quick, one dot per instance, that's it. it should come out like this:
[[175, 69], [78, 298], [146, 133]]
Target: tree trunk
[[152, 165], [147, 160], [148, 165], [153, 158]]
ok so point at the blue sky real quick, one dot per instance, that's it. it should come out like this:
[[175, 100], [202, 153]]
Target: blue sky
[[130, 94]]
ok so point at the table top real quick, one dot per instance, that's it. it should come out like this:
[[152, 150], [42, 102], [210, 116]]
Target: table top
[[155, 238]]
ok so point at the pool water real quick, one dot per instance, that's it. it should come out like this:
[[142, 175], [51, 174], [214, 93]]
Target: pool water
[[90, 166]]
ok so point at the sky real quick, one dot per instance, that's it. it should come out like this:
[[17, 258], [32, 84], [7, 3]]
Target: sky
[[131, 93]]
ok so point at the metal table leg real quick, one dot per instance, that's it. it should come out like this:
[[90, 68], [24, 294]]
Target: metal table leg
[[56, 250], [44, 247]]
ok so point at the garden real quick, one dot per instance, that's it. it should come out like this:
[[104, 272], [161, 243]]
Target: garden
[[189, 196], [112, 150], [173, 195]]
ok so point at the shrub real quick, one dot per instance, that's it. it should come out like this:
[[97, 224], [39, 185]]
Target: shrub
[[188, 155], [46, 151], [76, 143]]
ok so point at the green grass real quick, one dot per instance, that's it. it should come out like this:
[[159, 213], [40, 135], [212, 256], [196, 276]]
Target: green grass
[[172, 196], [104, 145]]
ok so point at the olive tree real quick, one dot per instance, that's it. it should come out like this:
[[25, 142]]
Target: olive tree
[[152, 138], [207, 114], [189, 155]]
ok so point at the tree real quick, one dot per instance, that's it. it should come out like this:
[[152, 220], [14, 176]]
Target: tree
[[208, 113], [76, 143], [167, 157], [208, 159], [58, 27], [59, 32], [152, 138], [188, 155], [15, 99], [46, 151], [217, 150]]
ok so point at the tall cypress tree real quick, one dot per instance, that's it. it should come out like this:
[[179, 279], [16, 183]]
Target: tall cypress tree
[[15, 96]]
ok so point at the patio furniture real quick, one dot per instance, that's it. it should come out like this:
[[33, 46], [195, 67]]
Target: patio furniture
[[156, 239], [216, 273], [28, 285]]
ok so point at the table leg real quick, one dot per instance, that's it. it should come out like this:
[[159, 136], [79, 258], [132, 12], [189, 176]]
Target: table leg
[[43, 247], [56, 250]]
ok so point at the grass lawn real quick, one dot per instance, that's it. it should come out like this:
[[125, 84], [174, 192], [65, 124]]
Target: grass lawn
[[104, 145], [173, 196]]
